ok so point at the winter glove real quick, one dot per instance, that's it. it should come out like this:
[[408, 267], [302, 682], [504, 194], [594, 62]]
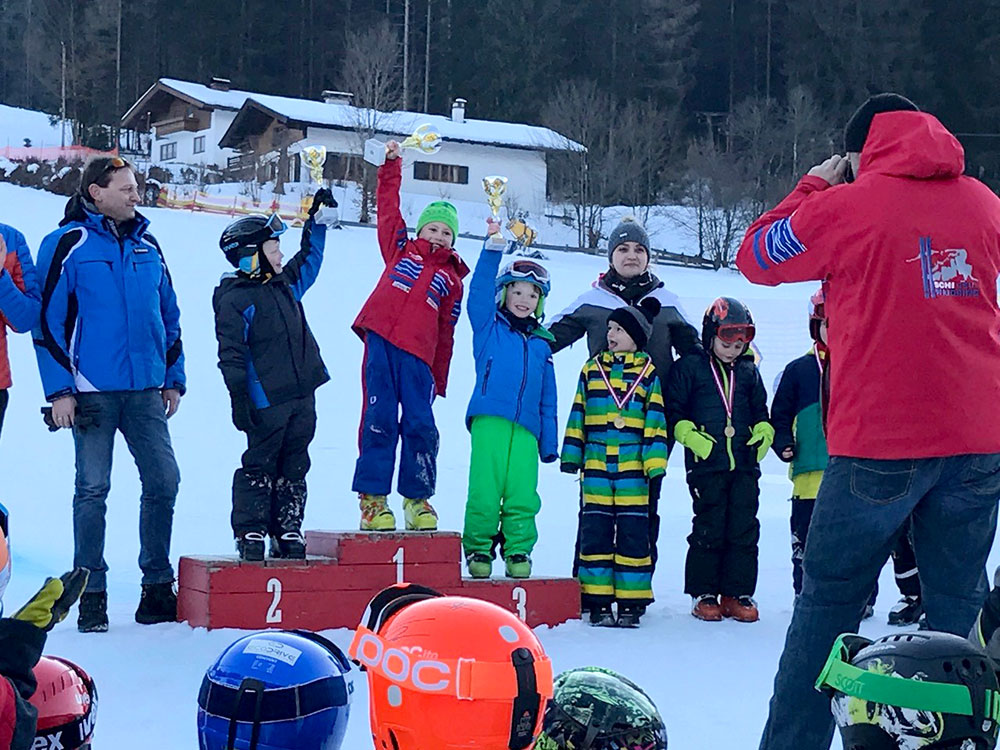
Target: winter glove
[[781, 452], [567, 468], [242, 414], [762, 435], [324, 208], [698, 442], [51, 604]]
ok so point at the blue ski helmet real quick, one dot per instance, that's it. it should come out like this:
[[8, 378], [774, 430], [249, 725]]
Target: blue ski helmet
[[276, 690], [524, 270]]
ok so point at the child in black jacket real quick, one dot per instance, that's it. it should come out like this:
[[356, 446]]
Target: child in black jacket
[[717, 409], [272, 367]]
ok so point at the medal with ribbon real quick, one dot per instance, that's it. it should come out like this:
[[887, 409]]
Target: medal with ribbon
[[727, 399], [621, 403]]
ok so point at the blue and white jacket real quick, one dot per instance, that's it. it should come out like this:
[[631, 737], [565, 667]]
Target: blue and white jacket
[[109, 318], [515, 378]]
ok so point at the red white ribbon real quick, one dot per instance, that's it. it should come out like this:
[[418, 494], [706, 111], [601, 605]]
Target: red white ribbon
[[620, 403]]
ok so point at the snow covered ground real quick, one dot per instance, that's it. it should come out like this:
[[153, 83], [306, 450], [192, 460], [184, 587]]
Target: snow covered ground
[[711, 681], [16, 124]]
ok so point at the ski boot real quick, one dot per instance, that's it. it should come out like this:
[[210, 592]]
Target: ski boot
[[480, 565], [628, 615], [602, 617], [706, 607], [158, 604], [740, 608], [906, 611], [518, 566], [93, 617], [289, 546], [250, 546], [420, 515], [375, 514]]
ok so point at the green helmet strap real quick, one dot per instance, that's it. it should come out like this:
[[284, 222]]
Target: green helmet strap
[[842, 676]]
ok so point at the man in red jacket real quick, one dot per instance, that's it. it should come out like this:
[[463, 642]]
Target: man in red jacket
[[408, 326], [909, 253]]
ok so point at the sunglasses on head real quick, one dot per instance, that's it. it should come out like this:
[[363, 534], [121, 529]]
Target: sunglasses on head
[[114, 163], [732, 334]]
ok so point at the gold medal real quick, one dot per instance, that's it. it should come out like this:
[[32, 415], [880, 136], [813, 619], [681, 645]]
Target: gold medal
[[730, 431], [619, 421]]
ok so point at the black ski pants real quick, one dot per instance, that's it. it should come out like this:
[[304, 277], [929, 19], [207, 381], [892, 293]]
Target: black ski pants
[[722, 547], [269, 488]]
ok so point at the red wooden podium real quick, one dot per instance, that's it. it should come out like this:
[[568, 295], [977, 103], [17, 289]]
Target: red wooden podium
[[343, 571]]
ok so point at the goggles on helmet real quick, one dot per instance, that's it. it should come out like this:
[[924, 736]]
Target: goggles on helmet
[[528, 270], [736, 333], [839, 675]]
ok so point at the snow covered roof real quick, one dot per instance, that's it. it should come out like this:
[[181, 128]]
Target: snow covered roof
[[344, 117]]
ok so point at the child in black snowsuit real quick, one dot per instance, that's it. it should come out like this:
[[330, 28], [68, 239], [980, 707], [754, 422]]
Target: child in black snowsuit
[[272, 367], [717, 409]]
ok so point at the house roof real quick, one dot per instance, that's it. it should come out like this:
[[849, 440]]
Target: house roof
[[345, 117]]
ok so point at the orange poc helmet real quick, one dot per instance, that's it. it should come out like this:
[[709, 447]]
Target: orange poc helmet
[[66, 699], [450, 672]]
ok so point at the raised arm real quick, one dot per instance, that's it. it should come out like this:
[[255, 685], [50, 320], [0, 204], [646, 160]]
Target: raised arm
[[391, 227], [303, 268], [482, 288]]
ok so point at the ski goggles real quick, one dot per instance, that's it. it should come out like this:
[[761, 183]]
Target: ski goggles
[[732, 334], [528, 270], [275, 226], [840, 676]]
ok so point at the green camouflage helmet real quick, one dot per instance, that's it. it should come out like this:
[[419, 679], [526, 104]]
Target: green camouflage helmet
[[598, 709]]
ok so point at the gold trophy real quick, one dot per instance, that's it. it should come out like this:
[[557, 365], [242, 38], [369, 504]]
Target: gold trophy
[[426, 139], [314, 158], [495, 186]]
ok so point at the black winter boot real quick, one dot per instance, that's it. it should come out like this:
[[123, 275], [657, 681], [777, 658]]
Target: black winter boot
[[290, 546], [93, 615], [158, 604], [250, 546]]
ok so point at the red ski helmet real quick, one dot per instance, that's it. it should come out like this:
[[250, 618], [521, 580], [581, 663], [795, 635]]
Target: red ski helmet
[[66, 699]]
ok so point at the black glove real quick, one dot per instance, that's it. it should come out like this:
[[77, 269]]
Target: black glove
[[51, 604], [323, 197], [82, 419], [781, 452], [243, 414]]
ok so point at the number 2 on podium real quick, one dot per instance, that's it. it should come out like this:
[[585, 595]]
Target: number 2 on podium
[[273, 613]]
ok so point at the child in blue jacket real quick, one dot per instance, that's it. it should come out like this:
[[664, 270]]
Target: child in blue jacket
[[512, 414]]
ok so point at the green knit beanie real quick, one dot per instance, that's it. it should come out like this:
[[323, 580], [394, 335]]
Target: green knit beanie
[[441, 211]]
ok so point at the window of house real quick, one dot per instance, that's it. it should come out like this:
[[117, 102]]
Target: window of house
[[168, 151], [423, 170], [199, 144]]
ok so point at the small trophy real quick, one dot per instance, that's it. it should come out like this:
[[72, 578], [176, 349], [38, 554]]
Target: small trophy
[[523, 234], [426, 139], [495, 186], [314, 158]]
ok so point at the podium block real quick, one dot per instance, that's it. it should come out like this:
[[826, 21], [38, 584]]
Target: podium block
[[537, 601], [342, 572]]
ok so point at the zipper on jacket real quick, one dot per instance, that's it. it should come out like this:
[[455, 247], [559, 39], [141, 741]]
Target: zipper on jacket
[[524, 379], [486, 377]]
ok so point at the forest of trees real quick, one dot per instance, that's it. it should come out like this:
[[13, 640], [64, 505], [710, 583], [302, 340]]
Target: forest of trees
[[719, 103]]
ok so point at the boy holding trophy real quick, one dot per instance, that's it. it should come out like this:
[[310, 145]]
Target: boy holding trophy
[[408, 327]]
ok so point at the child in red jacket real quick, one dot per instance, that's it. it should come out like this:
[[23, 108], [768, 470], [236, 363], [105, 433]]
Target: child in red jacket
[[408, 326]]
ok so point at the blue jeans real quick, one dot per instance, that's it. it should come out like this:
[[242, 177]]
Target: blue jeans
[[140, 417], [862, 508]]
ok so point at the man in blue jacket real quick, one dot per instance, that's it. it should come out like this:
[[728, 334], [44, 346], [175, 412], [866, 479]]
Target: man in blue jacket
[[110, 357]]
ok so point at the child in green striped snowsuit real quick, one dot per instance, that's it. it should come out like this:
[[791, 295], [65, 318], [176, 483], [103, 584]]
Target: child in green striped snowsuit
[[617, 435]]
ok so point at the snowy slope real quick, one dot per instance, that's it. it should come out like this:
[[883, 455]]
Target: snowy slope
[[711, 681], [16, 124]]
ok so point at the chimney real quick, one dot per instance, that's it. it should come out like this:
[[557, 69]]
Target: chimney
[[458, 110], [219, 84], [337, 97]]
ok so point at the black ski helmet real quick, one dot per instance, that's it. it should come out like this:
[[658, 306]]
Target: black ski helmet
[[922, 690], [244, 237], [598, 709], [730, 320]]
